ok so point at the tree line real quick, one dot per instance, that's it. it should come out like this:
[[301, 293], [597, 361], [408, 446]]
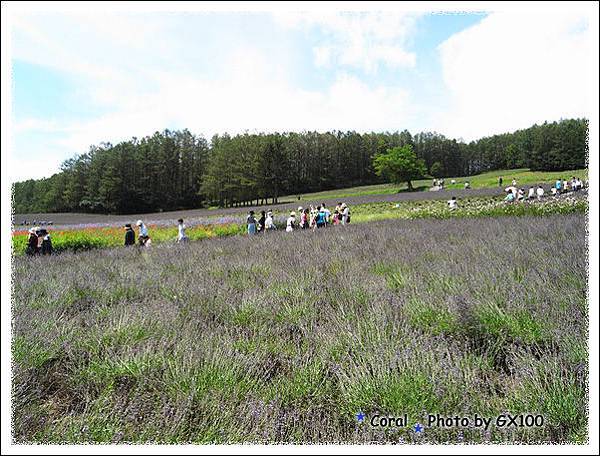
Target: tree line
[[179, 170]]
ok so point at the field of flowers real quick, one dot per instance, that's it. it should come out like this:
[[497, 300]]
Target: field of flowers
[[92, 236], [286, 338]]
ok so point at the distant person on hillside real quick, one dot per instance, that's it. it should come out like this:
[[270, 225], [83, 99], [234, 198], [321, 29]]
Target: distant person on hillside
[[129, 235], [32, 242], [514, 182], [467, 185], [510, 197], [291, 222], [251, 222], [262, 221], [269, 225], [143, 236], [452, 203], [46, 248], [453, 181], [500, 181], [539, 192], [531, 193], [181, 236]]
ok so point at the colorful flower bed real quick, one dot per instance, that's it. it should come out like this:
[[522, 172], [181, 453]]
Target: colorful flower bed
[[75, 240]]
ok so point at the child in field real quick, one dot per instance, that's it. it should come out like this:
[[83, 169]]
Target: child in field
[[291, 222], [452, 203], [327, 214], [129, 235], [336, 217], [251, 222], [181, 237]]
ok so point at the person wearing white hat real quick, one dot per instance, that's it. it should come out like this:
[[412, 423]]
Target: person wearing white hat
[[291, 222], [32, 242], [143, 235], [269, 225]]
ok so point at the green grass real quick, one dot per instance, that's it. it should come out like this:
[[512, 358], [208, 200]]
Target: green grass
[[490, 179]]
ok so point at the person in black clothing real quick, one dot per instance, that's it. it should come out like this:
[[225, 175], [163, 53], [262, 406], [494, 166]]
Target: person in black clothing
[[261, 222], [46, 248], [129, 235], [32, 242]]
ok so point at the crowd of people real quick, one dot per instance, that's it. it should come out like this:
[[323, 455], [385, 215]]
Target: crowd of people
[[39, 242], [307, 218], [515, 194]]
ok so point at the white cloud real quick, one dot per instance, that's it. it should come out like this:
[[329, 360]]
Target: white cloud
[[358, 40], [139, 94], [514, 69]]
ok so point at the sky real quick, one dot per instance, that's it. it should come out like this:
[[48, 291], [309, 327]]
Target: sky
[[82, 78]]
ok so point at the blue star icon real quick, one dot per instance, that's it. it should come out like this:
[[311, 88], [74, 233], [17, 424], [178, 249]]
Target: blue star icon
[[418, 428], [360, 416]]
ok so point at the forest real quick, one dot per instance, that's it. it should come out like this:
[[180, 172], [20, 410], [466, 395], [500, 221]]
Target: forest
[[173, 170]]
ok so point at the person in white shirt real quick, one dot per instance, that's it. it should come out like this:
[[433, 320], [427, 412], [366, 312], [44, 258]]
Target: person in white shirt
[[269, 225], [291, 222], [345, 214], [540, 192], [181, 236], [143, 236], [452, 203], [531, 194]]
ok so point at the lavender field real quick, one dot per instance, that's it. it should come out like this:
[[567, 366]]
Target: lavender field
[[286, 337]]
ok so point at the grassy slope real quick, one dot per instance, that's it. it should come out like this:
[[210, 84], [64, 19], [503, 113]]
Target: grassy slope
[[523, 176], [287, 341]]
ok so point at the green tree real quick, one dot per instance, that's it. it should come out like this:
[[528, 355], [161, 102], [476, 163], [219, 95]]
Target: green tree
[[436, 170], [400, 164]]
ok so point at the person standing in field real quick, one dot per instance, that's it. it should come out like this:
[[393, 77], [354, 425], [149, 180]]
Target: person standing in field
[[251, 222], [514, 182], [320, 221], [46, 248], [261, 222], [327, 214], [500, 181], [269, 225], [291, 222], [336, 217], [143, 236], [345, 214], [181, 236], [32, 242], [531, 193], [304, 216], [540, 192], [129, 235], [467, 185]]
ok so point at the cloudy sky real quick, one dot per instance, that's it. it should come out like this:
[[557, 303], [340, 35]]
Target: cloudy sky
[[84, 78]]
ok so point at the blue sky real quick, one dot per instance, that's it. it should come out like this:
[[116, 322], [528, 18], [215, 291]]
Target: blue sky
[[79, 79]]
